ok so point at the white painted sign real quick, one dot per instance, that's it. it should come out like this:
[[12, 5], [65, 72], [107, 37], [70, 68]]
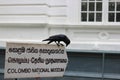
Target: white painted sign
[[24, 60]]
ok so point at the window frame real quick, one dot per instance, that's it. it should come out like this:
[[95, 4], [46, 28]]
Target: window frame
[[105, 21], [91, 11], [114, 11]]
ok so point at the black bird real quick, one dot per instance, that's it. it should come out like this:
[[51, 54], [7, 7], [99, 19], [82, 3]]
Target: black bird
[[58, 38]]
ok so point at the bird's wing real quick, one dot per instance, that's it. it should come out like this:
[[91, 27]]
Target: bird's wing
[[56, 38]]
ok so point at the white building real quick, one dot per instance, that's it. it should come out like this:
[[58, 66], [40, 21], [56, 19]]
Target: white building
[[93, 26], [90, 24]]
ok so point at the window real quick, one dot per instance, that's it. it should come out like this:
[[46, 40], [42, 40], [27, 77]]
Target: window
[[91, 10], [100, 10], [114, 11]]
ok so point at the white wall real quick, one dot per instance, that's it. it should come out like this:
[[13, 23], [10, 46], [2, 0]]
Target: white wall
[[34, 20], [33, 11]]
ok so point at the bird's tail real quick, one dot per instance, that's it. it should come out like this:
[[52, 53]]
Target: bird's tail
[[45, 40]]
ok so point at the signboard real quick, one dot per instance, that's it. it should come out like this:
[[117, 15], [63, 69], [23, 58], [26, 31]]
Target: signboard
[[24, 60]]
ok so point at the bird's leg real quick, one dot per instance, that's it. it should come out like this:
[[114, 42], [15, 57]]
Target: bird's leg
[[61, 44], [57, 43], [49, 42]]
